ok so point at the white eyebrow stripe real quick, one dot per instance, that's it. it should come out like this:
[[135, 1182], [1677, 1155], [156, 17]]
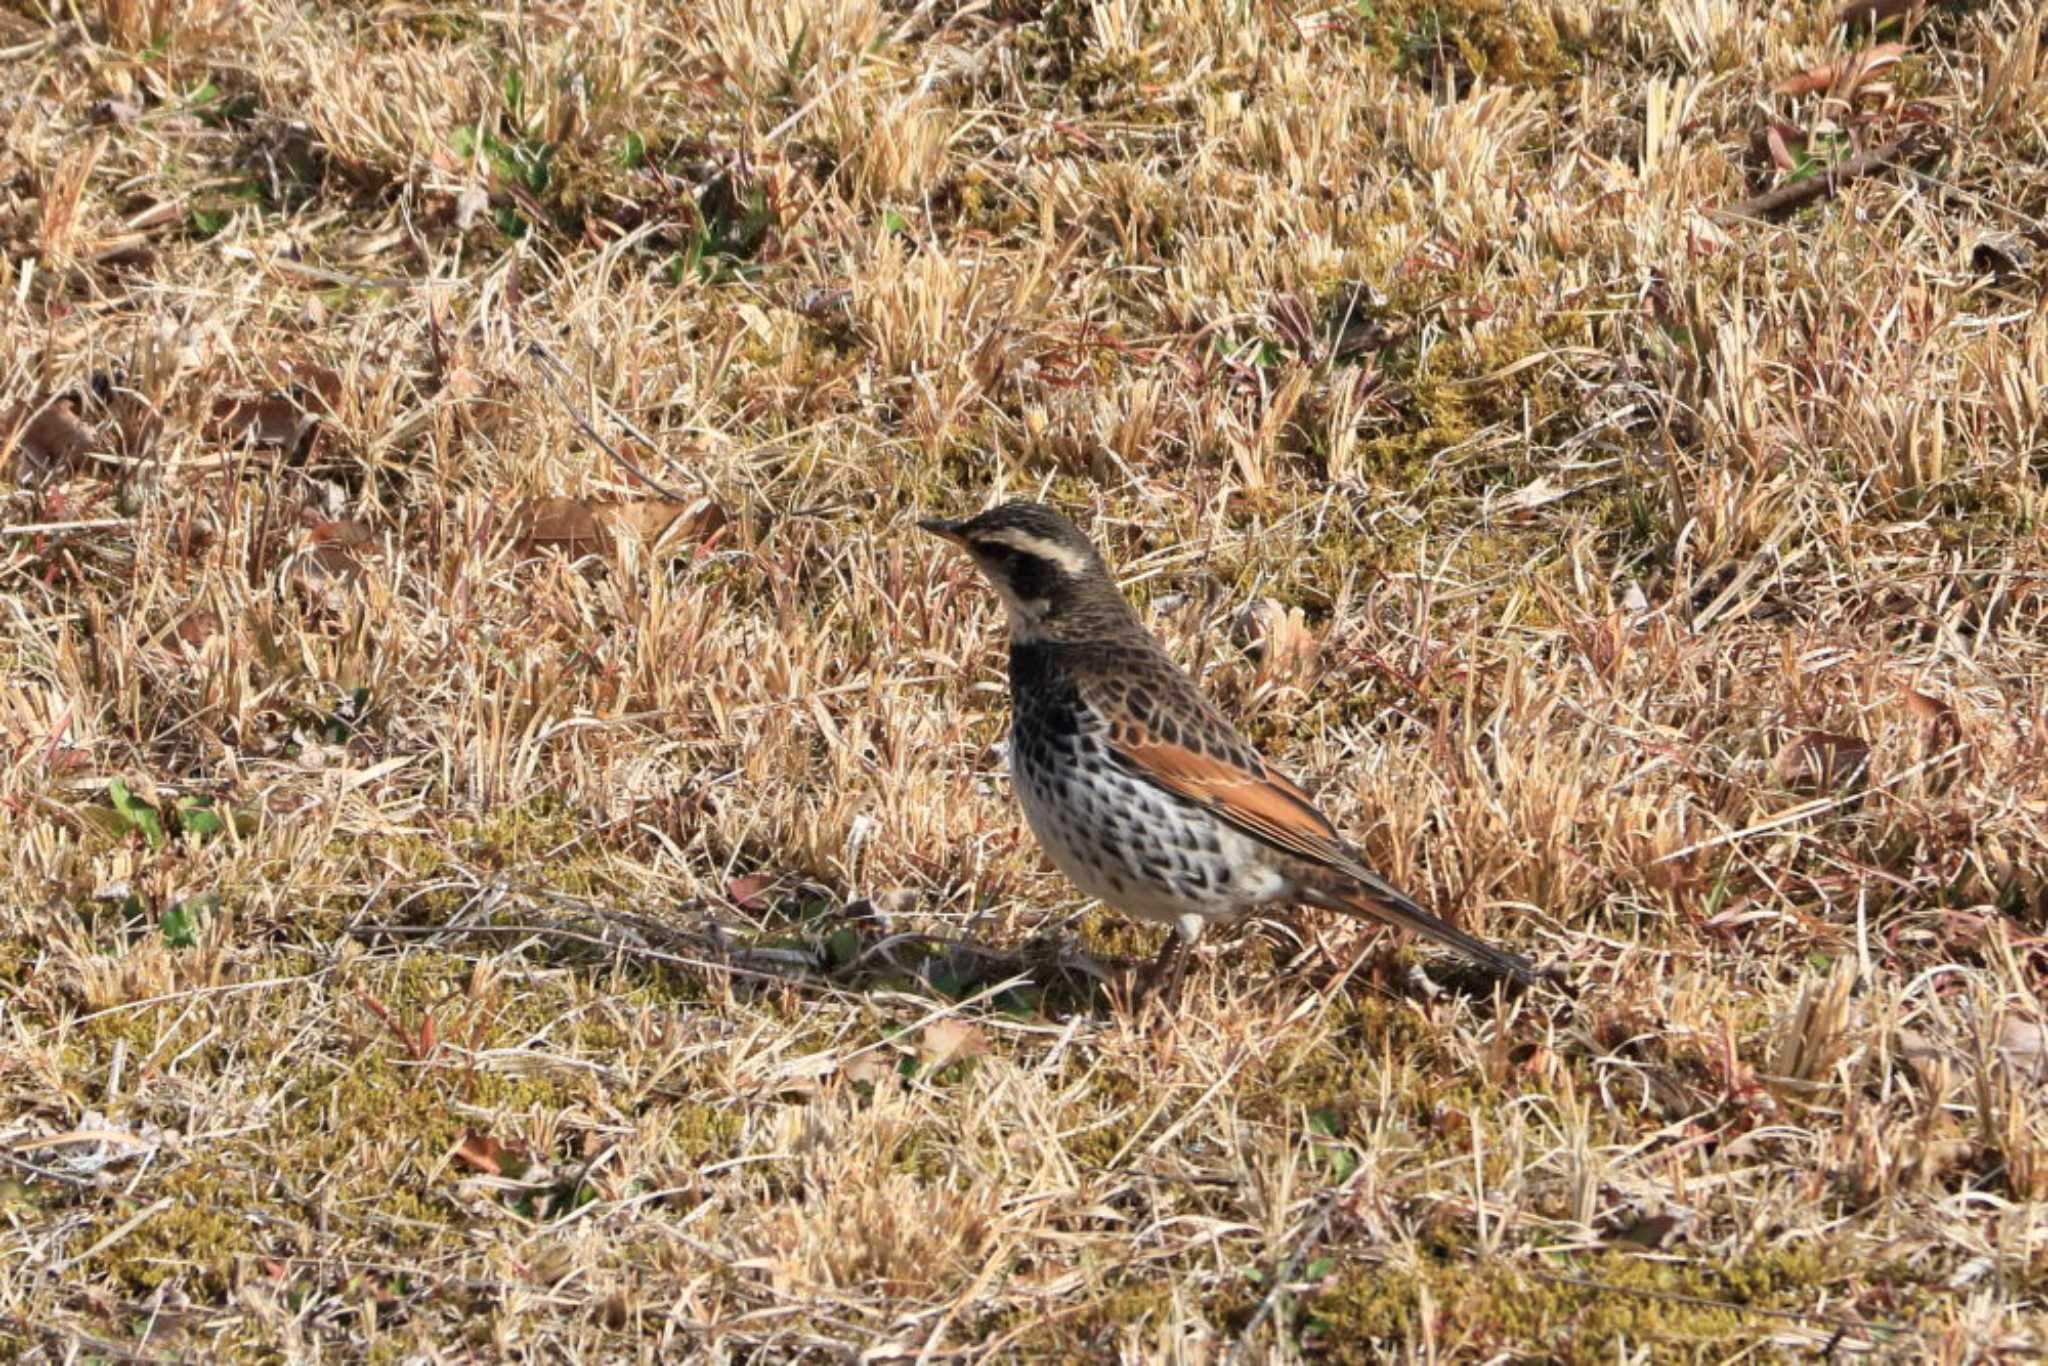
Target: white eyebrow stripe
[[1066, 557]]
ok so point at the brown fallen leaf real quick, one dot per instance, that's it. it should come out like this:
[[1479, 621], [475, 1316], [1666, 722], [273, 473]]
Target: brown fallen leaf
[[1821, 759], [197, 627], [1843, 76], [48, 434], [290, 419], [582, 526], [1922, 706], [318, 388], [950, 1040], [1938, 721], [327, 570], [1807, 82], [2023, 1044], [347, 533], [276, 421], [1779, 142], [481, 1152], [750, 891], [872, 1068]]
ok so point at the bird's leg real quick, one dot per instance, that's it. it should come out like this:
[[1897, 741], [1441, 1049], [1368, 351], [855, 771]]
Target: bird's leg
[[1170, 968], [1186, 931], [1166, 966]]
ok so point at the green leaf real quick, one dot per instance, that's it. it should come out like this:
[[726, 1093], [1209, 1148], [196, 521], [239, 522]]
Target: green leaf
[[893, 221], [235, 109], [1025, 1002], [196, 816], [181, 931], [139, 814], [537, 164], [842, 945], [793, 62], [209, 222], [633, 152], [180, 923], [1319, 1268]]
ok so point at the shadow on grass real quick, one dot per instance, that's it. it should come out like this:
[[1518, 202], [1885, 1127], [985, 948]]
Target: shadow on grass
[[814, 949], [817, 946]]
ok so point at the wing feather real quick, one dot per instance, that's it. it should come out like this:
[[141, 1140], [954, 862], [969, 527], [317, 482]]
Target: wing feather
[[1184, 746], [1259, 802]]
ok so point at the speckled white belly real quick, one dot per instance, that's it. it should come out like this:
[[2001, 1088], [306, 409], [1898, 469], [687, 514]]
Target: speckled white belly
[[1140, 849]]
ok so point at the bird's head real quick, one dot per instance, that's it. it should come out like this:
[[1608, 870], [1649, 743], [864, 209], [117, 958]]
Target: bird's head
[[1048, 574]]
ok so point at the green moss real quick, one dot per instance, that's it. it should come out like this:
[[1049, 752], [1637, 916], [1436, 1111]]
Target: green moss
[[1506, 42], [1364, 1309], [1095, 1329], [193, 1240], [1113, 937], [706, 1132]]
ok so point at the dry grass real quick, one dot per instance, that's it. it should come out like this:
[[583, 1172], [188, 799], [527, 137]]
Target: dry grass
[[635, 950]]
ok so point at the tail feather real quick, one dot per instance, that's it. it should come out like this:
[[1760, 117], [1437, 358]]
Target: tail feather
[[1378, 900]]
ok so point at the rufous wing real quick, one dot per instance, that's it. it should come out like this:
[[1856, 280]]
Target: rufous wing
[[1259, 802], [1270, 807]]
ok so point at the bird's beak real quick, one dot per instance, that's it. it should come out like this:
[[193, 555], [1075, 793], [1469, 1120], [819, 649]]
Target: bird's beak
[[944, 530]]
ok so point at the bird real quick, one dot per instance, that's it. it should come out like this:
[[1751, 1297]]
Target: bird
[[1134, 783]]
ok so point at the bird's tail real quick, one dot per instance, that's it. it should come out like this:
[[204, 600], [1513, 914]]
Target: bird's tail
[[1375, 899]]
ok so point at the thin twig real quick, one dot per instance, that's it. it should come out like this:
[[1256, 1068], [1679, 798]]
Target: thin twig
[[598, 941], [41, 528], [549, 369], [1783, 199], [1813, 808], [74, 1338], [126, 1227], [226, 989]]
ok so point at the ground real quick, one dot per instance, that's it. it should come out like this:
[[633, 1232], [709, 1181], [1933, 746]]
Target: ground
[[508, 847]]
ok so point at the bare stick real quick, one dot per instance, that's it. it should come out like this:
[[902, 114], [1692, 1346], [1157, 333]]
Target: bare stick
[[1783, 199], [549, 368]]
